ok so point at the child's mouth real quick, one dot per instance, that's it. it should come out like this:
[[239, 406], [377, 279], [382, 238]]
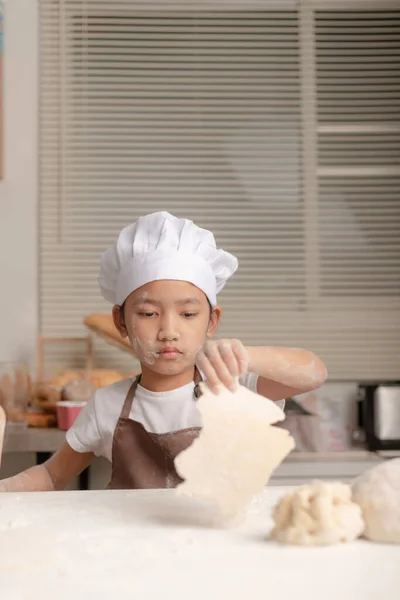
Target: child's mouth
[[170, 352]]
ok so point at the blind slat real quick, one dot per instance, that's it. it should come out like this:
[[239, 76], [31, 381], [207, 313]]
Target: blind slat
[[199, 109]]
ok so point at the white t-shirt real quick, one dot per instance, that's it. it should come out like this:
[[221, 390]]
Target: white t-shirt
[[158, 412]]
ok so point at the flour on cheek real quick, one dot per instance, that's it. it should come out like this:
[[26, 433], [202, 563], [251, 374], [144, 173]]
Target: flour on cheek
[[145, 350]]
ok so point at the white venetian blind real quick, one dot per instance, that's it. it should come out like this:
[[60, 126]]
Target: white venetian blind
[[357, 58], [253, 120]]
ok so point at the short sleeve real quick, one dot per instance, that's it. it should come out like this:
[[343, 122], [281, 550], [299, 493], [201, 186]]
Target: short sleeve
[[249, 380], [84, 435]]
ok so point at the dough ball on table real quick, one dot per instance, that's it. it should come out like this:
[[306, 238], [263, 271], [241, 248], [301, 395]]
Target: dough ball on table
[[318, 514], [378, 493]]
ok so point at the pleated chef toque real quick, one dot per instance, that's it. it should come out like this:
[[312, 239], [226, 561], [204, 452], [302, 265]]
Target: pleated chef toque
[[161, 246]]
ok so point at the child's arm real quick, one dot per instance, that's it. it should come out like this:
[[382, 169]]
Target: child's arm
[[54, 474], [283, 372]]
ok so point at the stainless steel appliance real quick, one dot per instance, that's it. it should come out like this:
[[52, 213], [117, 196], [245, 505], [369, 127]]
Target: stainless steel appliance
[[379, 415]]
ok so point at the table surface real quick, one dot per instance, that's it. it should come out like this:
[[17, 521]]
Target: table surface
[[154, 544]]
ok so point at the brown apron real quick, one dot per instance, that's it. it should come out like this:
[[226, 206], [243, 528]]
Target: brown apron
[[143, 460]]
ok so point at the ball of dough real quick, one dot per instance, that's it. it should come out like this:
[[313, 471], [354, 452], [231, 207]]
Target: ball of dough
[[318, 514], [378, 493]]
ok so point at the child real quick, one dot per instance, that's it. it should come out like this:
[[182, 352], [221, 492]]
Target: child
[[162, 277]]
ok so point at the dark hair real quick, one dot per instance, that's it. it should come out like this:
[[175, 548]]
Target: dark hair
[[122, 310]]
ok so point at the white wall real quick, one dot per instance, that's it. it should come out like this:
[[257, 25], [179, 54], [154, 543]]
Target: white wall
[[18, 195], [18, 190]]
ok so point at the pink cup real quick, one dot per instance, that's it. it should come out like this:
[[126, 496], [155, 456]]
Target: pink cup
[[67, 413]]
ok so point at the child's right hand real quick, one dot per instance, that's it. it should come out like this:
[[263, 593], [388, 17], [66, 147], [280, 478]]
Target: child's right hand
[[223, 362]]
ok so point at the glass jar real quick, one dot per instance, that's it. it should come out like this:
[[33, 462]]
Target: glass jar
[[15, 391]]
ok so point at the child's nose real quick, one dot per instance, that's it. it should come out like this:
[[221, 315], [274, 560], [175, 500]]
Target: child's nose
[[169, 329]]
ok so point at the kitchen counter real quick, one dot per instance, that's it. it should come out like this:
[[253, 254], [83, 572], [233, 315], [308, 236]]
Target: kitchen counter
[[152, 545], [30, 439], [297, 468]]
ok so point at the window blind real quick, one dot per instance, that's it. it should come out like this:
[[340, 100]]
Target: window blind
[[258, 120]]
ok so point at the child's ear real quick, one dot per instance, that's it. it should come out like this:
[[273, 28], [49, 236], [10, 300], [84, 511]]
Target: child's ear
[[119, 321], [215, 318]]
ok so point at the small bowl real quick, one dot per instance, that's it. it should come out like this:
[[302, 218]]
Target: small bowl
[[67, 413]]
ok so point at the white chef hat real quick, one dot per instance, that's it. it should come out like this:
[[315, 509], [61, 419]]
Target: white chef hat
[[161, 246]]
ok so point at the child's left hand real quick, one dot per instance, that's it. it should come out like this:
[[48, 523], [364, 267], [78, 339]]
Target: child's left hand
[[222, 362]]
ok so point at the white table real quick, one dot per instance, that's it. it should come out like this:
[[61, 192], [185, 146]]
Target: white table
[[153, 545]]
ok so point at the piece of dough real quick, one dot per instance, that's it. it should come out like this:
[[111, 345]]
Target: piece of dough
[[237, 450], [318, 514], [377, 491]]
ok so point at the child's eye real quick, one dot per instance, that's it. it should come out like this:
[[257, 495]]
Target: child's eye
[[147, 314], [189, 315]]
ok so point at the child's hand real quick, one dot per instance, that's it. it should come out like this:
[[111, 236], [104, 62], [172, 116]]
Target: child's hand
[[222, 362]]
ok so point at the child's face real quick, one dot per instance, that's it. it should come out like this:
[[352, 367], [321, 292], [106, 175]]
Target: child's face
[[167, 323]]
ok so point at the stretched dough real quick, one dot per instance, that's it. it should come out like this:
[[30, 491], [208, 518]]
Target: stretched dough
[[317, 514], [377, 491], [237, 450]]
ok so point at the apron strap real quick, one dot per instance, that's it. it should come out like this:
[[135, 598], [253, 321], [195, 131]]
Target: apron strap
[[197, 379], [126, 410]]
